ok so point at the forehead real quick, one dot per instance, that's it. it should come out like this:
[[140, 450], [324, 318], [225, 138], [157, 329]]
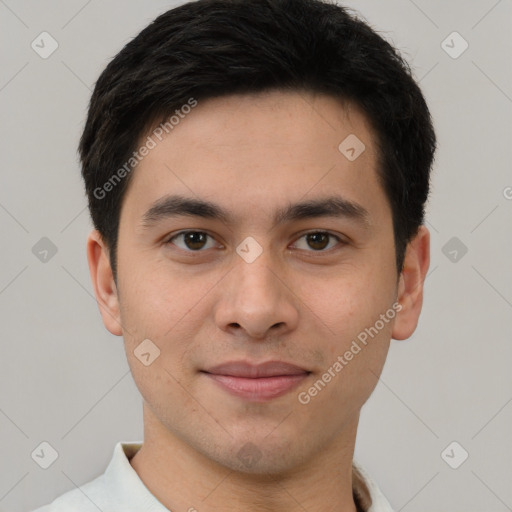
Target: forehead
[[246, 151]]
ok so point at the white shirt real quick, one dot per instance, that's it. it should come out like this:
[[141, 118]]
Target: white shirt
[[119, 489]]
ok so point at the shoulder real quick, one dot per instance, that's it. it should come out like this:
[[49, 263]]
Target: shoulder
[[368, 492], [88, 498], [118, 488]]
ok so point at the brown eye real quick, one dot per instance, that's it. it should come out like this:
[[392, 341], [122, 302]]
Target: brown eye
[[192, 240], [317, 241]]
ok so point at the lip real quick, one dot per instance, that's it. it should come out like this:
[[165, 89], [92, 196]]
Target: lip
[[257, 382], [253, 371]]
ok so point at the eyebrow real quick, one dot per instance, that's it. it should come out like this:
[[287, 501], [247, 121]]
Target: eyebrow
[[332, 206]]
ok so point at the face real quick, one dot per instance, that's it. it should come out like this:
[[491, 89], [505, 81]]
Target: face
[[247, 236]]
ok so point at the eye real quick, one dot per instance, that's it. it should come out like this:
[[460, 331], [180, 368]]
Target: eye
[[317, 240], [192, 240]]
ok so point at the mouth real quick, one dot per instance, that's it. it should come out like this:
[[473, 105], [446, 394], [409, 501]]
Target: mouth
[[257, 382]]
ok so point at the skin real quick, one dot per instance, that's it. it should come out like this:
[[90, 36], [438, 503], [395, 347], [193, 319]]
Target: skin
[[251, 155]]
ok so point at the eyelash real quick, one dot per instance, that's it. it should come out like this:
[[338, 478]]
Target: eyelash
[[331, 235]]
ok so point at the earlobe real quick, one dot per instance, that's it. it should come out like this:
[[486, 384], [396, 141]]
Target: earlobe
[[103, 282], [410, 285]]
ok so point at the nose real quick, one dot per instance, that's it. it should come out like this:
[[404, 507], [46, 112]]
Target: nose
[[256, 301]]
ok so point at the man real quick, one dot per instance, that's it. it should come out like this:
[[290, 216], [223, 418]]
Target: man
[[257, 173]]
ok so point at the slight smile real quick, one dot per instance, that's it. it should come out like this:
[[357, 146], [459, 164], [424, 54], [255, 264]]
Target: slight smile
[[257, 382]]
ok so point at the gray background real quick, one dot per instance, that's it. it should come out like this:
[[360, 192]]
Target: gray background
[[65, 380]]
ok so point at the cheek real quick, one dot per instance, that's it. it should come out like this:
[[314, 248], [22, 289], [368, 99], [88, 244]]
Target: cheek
[[172, 310], [158, 319], [156, 300], [355, 313], [354, 347], [346, 304]]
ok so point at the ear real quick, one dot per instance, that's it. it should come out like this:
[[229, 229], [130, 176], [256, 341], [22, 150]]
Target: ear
[[103, 282], [410, 285]]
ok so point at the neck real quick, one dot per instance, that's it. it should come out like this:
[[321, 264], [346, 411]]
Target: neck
[[182, 478]]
